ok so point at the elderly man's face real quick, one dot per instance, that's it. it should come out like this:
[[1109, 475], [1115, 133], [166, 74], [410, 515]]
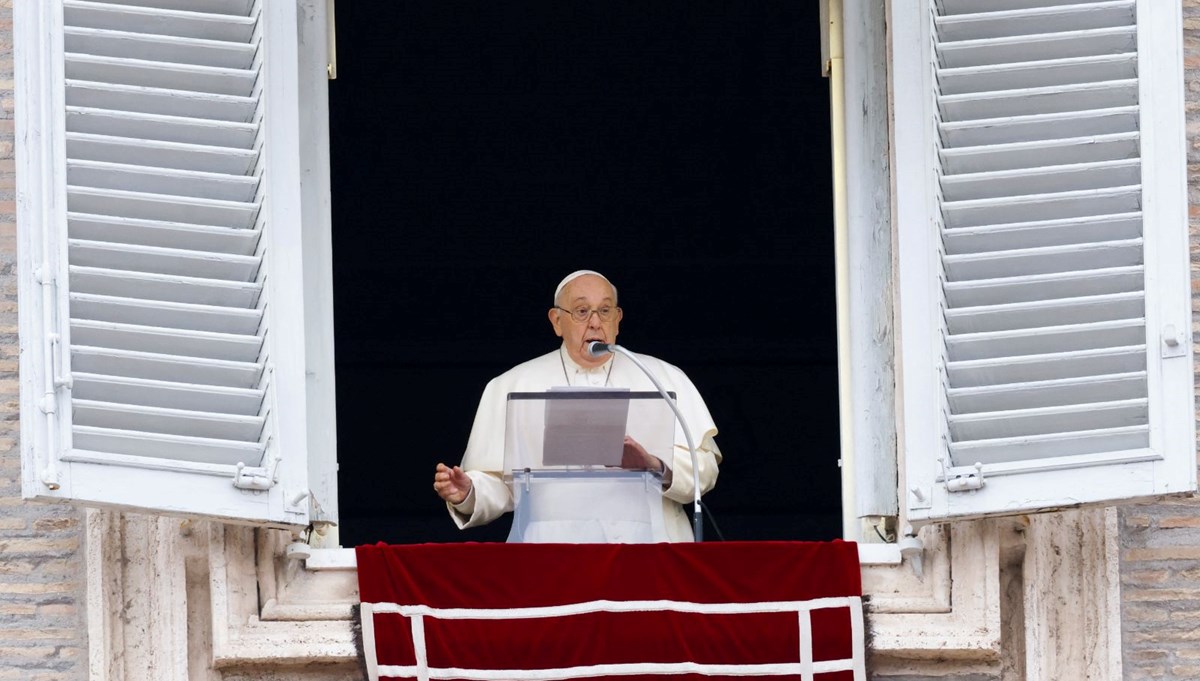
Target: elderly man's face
[[590, 293]]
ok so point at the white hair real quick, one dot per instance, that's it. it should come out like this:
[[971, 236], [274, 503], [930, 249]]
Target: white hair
[[577, 274]]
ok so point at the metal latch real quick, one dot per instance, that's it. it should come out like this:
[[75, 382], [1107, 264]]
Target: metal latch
[[256, 479], [965, 481]]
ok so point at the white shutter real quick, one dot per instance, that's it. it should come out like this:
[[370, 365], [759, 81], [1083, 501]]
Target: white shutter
[[161, 303], [1044, 285]]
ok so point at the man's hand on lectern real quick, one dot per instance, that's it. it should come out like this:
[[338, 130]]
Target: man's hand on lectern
[[451, 484], [635, 457]]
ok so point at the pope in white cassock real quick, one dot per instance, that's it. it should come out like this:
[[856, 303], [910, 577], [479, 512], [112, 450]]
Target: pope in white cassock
[[585, 310]]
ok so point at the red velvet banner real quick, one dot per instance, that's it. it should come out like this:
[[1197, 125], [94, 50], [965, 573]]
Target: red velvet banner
[[557, 611]]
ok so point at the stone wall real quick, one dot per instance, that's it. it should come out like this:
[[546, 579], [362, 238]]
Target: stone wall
[[42, 629]]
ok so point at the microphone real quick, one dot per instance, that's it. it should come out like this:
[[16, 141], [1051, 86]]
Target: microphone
[[597, 349]]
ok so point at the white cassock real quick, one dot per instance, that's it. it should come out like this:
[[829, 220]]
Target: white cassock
[[483, 461]]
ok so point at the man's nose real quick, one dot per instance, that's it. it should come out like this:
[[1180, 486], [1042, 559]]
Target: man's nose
[[594, 319]]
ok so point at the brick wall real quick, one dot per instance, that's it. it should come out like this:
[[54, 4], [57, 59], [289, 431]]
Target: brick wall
[[42, 631], [1160, 543]]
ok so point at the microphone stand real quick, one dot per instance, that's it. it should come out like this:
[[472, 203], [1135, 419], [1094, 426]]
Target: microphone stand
[[595, 349]]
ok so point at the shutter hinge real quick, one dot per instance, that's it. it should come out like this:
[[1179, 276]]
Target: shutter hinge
[[56, 374]]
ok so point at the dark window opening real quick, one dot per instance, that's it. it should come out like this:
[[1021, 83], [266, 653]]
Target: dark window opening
[[480, 151]]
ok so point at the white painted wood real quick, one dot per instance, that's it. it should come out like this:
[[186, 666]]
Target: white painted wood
[[162, 181], [1025, 287], [1165, 204], [1011, 236], [173, 49], [1061, 206], [182, 23], [177, 306], [1029, 454], [1035, 244], [234, 7], [148, 126], [1039, 100], [186, 316], [1044, 313], [1046, 339], [144, 73], [869, 244], [1046, 46], [1041, 180], [160, 101], [145, 206], [1047, 366], [1044, 393], [178, 235], [176, 448], [164, 367], [1052, 419], [1023, 262], [167, 421], [171, 394], [132, 151], [315, 33], [1036, 20], [164, 261], [227, 346], [1032, 74], [970, 6], [160, 286], [283, 141], [835, 70], [920, 423], [1039, 126], [994, 157]]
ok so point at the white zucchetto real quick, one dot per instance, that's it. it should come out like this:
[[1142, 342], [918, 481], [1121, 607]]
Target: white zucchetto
[[575, 275]]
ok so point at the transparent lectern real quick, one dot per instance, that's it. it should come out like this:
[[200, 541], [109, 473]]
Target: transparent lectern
[[562, 458]]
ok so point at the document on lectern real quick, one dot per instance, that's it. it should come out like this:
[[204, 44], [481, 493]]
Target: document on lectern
[[580, 428], [589, 431]]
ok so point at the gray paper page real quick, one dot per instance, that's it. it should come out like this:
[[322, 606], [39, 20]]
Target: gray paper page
[[585, 431]]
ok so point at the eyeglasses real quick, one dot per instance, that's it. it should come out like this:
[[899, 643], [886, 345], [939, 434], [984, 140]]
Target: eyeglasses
[[582, 313]]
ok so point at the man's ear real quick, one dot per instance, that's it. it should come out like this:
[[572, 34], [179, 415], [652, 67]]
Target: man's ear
[[553, 316]]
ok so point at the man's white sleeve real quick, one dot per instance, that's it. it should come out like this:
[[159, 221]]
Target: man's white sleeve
[[682, 488], [489, 499]]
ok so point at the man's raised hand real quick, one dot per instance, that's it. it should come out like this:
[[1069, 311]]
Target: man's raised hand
[[451, 484]]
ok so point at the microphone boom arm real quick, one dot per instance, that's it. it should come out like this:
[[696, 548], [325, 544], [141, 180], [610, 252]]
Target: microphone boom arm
[[697, 518]]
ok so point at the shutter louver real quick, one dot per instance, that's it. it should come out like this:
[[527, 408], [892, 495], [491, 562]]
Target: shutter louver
[[1044, 292], [166, 308], [1041, 229], [161, 240]]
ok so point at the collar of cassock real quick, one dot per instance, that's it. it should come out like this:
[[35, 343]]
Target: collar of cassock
[[574, 369]]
